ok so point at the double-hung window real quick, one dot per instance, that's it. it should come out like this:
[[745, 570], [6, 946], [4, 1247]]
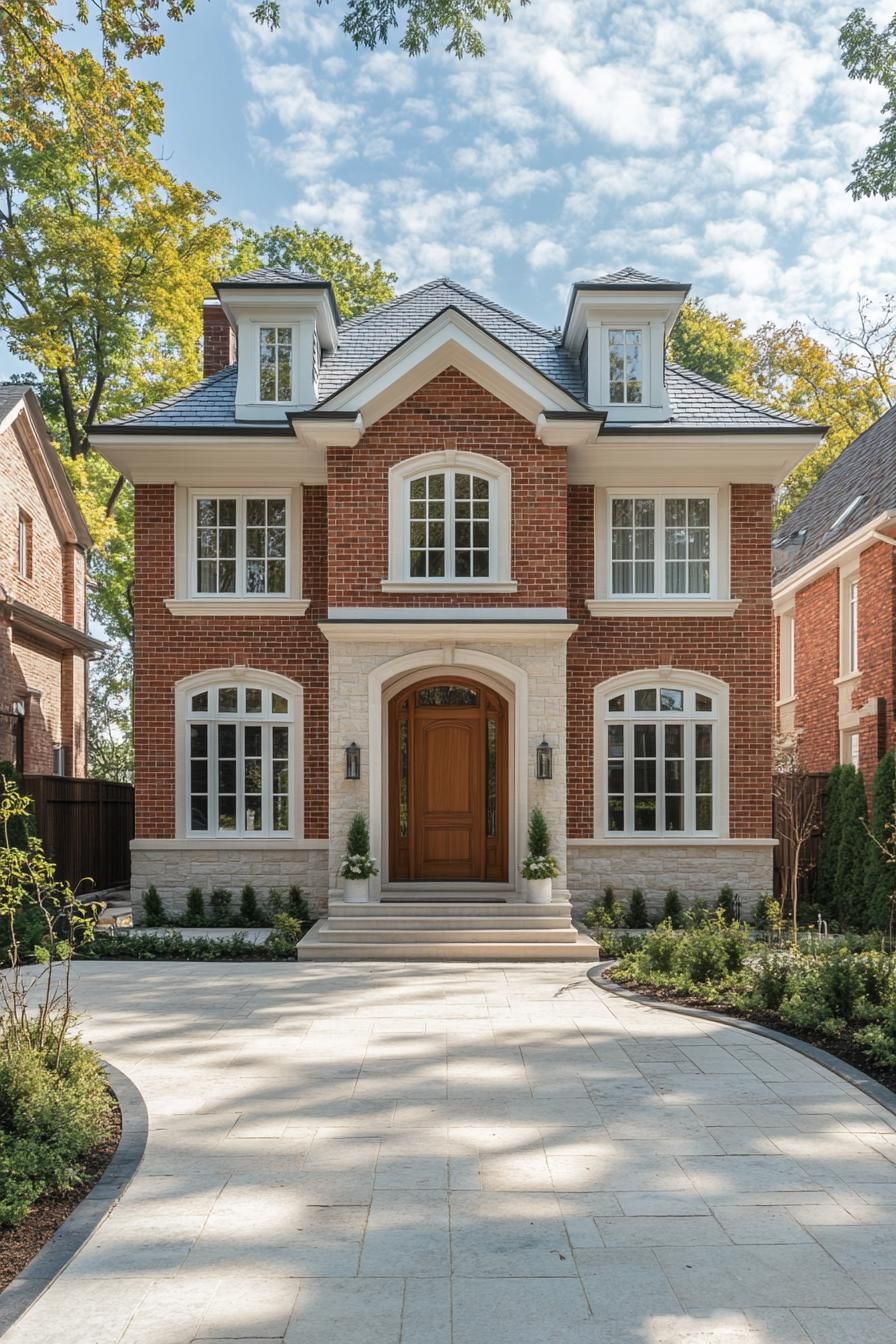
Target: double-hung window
[[450, 526], [240, 545], [24, 545], [661, 545], [275, 364], [625, 353], [239, 753], [660, 758]]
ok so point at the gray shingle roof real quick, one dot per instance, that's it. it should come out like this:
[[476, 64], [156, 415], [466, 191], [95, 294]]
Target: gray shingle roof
[[629, 278], [865, 471], [271, 275], [695, 402]]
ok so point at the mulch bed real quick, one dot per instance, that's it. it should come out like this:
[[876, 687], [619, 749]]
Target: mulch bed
[[842, 1045], [19, 1245]]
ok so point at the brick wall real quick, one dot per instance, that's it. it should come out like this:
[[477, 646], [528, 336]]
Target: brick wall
[[449, 412], [816, 668], [168, 648], [19, 490], [737, 650], [877, 648], [218, 339]]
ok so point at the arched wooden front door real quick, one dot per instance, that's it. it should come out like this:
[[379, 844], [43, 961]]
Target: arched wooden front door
[[448, 782]]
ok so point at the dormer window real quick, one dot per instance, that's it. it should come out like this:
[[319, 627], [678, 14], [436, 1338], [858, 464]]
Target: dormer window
[[624, 346], [275, 368]]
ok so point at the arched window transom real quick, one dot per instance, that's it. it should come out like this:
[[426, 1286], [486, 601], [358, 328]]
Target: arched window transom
[[239, 760], [661, 760], [450, 526]]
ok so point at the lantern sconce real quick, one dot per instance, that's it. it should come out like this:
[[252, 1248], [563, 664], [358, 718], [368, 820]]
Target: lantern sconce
[[544, 760], [353, 761]]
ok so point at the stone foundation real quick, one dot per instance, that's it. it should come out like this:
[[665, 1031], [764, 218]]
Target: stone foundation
[[695, 871], [173, 869]]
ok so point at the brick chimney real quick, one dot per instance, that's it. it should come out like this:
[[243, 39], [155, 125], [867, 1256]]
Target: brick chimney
[[218, 339]]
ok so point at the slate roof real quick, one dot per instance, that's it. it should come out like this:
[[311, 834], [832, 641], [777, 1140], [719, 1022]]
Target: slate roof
[[278, 276], [696, 403], [629, 278], [865, 471]]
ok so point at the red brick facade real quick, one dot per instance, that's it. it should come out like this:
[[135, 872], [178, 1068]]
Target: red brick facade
[[168, 648], [218, 340], [450, 412], [39, 669], [822, 709], [737, 650]]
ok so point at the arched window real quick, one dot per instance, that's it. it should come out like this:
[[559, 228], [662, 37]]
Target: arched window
[[662, 755], [449, 522], [239, 755]]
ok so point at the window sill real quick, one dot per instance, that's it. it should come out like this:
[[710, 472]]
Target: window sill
[[654, 841], [788, 700], [448, 586], [238, 842], [663, 606], [237, 606], [847, 677]]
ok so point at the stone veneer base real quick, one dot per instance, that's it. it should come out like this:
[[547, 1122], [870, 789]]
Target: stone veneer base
[[173, 869], [695, 871]]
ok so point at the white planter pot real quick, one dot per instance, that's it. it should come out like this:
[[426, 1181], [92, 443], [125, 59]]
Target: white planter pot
[[355, 890], [540, 890]]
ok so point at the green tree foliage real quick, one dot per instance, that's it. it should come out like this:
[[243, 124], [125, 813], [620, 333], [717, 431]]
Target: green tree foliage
[[869, 54], [712, 344], [848, 902], [539, 835], [358, 840], [880, 874], [371, 23], [672, 909], [20, 824], [831, 836], [637, 917]]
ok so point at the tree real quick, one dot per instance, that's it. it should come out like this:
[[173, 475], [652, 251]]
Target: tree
[[849, 877], [831, 836], [869, 54], [712, 344], [797, 802], [370, 23], [880, 875], [357, 284], [110, 750]]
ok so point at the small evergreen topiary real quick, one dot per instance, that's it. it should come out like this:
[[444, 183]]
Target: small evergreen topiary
[[539, 835], [698, 916], [297, 907], [611, 910], [831, 834], [153, 910], [220, 902], [848, 898], [196, 906], [274, 902], [358, 841], [249, 908], [672, 909], [880, 876], [637, 917], [728, 904]]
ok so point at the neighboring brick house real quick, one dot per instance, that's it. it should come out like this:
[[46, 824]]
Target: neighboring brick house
[[44, 645], [835, 603], [512, 567]]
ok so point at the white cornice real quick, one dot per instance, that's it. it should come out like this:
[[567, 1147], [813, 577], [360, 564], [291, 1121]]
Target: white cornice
[[841, 553], [322, 431], [237, 606], [567, 433], [677, 458], [232, 460]]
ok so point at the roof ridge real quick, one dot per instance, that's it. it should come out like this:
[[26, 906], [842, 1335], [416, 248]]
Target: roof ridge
[[446, 280], [737, 397]]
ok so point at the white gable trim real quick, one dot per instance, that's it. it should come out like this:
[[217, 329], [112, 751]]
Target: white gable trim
[[451, 341]]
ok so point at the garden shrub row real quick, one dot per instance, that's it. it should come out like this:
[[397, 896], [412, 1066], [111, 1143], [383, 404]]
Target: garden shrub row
[[170, 945], [855, 880], [833, 989], [605, 912], [221, 913]]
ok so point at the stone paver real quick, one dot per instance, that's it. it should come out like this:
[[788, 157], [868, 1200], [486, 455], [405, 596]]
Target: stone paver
[[400, 1154]]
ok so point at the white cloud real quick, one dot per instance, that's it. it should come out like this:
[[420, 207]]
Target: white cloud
[[546, 253]]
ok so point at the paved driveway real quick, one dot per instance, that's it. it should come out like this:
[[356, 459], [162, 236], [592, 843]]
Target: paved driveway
[[411, 1154]]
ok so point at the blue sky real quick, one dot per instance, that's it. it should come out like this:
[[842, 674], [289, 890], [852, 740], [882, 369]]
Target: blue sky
[[702, 141]]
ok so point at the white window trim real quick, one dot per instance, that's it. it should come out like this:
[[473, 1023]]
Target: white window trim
[[668, 676], [786, 655], [847, 737], [717, 602], [849, 576], [400, 476], [188, 602], [644, 331], [184, 690]]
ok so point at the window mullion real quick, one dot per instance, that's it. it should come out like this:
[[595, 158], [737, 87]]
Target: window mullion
[[267, 780], [659, 548], [628, 757], [660, 775], [213, 817], [450, 487], [690, 778]]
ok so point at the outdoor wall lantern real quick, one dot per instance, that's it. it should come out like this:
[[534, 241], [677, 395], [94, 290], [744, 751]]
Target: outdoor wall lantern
[[544, 760], [353, 761]]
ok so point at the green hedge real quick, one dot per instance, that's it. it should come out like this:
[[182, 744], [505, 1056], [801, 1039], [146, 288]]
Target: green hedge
[[854, 882]]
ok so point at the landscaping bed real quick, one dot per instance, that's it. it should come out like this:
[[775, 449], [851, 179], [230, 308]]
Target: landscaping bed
[[171, 945], [840, 996], [20, 1244]]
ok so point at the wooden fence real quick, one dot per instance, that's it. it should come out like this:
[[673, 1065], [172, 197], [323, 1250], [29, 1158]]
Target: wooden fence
[[814, 785], [86, 825]]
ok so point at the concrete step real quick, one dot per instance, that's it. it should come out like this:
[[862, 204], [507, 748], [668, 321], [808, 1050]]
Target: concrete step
[[499, 911], [316, 946], [471, 921], [332, 933]]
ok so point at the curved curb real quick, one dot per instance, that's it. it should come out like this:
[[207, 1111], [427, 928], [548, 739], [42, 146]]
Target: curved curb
[[94, 1208], [872, 1089]]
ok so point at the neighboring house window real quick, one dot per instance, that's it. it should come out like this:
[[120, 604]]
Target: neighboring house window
[[449, 522], [661, 545], [786, 655], [852, 636], [240, 760], [275, 364], [624, 346], [450, 526], [24, 546], [851, 749], [240, 545], [660, 759]]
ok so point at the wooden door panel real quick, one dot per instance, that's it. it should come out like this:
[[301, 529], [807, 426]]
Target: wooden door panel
[[449, 751]]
